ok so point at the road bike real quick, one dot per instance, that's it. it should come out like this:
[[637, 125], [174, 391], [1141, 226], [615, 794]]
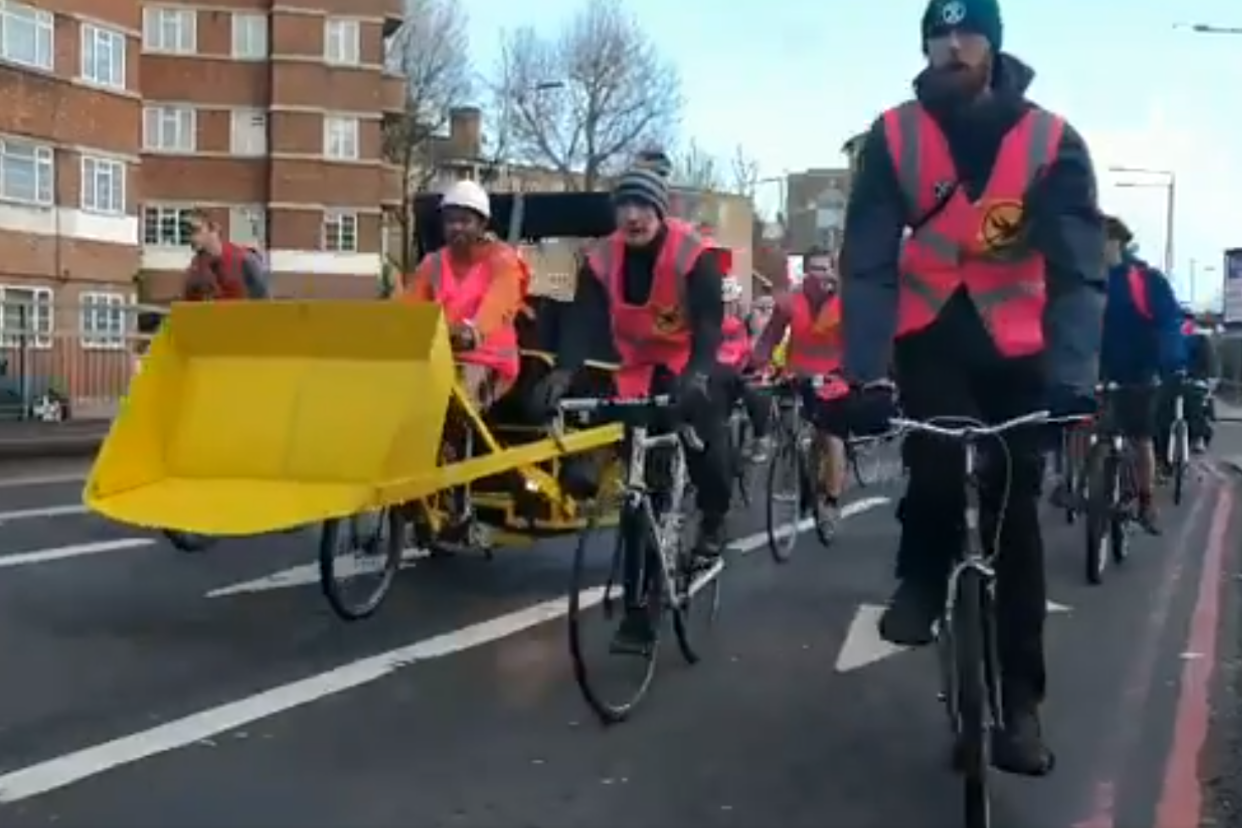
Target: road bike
[[652, 559], [1107, 488], [1177, 453], [966, 633]]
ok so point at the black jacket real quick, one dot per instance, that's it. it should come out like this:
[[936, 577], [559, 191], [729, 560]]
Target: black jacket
[[1064, 224], [591, 312]]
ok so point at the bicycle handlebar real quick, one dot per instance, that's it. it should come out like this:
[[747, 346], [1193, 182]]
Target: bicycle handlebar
[[971, 430], [656, 402]]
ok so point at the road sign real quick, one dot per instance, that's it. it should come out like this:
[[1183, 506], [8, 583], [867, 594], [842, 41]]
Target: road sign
[[1232, 289]]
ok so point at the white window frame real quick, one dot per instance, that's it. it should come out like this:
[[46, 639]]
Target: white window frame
[[113, 307], [14, 18], [154, 217], [43, 323], [249, 36], [340, 231], [341, 138], [170, 30], [243, 126], [95, 171], [42, 159], [253, 215], [106, 46], [159, 121], [342, 41]]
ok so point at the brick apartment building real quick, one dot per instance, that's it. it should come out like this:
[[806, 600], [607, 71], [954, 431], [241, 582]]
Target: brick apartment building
[[116, 117], [815, 203]]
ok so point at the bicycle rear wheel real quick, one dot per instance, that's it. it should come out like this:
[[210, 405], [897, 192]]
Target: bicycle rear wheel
[[784, 500], [825, 520], [1179, 440], [972, 751], [739, 434], [1101, 484], [633, 672], [696, 596], [355, 595]]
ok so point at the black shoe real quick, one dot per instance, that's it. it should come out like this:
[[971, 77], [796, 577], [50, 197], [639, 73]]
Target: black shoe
[[1148, 518], [911, 615], [1019, 747], [634, 635], [712, 539]]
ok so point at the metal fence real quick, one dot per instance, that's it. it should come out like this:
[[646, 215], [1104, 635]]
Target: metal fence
[[62, 361]]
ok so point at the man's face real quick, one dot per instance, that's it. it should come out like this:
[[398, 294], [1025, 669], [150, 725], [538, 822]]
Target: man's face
[[822, 271], [961, 61], [462, 227], [204, 236], [639, 223]]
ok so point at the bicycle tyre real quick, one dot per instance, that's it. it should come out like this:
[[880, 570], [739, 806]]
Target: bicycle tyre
[[581, 581], [1127, 495], [785, 460], [1179, 438], [811, 462], [346, 608], [189, 541], [693, 588], [741, 466], [970, 647], [1100, 479]]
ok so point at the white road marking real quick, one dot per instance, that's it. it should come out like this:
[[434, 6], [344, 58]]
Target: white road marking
[[44, 512], [41, 480], [62, 771], [72, 551]]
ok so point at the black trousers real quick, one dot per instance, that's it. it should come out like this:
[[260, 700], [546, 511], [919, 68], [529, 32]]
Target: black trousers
[[952, 369]]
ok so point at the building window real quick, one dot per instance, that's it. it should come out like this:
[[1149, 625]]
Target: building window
[[103, 56], [169, 129], [342, 41], [102, 321], [248, 226], [248, 132], [27, 172], [26, 35], [169, 30], [165, 226], [340, 231], [27, 316], [340, 138], [103, 186], [249, 36]]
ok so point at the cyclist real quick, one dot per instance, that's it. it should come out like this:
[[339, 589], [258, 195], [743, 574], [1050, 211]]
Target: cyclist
[[995, 303], [734, 356], [651, 286], [481, 282], [811, 317], [220, 269], [1142, 343], [1202, 364]]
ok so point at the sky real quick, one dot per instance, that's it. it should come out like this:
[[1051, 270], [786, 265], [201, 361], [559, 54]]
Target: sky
[[791, 80]]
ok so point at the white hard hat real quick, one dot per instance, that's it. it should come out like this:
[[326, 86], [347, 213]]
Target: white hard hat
[[468, 195], [731, 289]]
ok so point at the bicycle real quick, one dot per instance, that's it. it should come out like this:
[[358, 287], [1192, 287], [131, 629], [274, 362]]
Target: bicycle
[[651, 555], [1177, 454], [794, 472], [966, 633], [1108, 488]]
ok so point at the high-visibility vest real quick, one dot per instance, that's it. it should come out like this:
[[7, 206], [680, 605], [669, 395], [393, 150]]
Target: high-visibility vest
[[734, 343], [978, 245], [655, 334], [211, 278], [462, 296]]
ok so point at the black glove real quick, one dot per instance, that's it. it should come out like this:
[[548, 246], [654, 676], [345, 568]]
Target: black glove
[[1064, 401], [549, 392], [872, 407]]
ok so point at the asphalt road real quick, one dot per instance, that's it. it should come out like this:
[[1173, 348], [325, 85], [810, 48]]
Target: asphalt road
[[142, 686]]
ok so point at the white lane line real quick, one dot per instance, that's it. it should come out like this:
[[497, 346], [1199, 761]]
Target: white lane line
[[44, 512], [62, 771], [76, 550], [41, 480]]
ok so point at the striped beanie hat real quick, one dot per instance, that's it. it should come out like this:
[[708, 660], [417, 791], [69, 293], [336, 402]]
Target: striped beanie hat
[[644, 186]]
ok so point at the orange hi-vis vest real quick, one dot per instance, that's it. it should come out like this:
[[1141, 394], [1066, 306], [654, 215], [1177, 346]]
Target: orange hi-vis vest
[[815, 342], [462, 296], [656, 334], [734, 343], [977, 245], [207, 280]]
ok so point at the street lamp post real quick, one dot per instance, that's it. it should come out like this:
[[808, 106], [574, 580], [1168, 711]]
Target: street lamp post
[[1169, 185]]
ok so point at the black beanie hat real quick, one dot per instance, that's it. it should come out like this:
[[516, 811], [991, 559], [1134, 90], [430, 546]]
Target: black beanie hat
[[978, 16], [644, 186]]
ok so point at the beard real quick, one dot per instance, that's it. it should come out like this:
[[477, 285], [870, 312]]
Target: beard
[[952, 85]]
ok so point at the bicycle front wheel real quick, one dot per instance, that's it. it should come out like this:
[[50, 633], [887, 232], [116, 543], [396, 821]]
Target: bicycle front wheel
[[972, 752], [1101, 488], [612, 681], [784, 506], [374, 543], [1179, 441]]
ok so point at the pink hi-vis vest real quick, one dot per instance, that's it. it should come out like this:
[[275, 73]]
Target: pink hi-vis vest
[[656, 334], [734, 344], [462, 297], [979, 245]]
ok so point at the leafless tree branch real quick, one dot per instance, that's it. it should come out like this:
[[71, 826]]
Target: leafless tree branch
[[745, 173], [697, 169], [584, 101]]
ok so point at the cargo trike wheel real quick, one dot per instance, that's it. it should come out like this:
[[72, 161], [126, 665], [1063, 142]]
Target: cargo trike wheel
[[189, 541], [358, 558]]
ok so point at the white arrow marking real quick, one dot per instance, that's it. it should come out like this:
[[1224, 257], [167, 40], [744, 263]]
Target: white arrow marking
[[297, 576], [863, 644]]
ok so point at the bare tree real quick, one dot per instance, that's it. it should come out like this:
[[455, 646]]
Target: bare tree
[[697, 169], [745, 173], [432, 51], [584, 101]]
